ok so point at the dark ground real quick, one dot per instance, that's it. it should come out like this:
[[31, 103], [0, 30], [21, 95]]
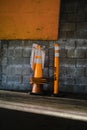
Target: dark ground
[[15, 120]]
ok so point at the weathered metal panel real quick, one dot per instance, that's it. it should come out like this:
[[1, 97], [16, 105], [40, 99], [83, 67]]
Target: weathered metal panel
[[29, 19]]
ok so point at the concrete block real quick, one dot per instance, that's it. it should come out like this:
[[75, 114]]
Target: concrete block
[[4, 79], [18, 69], [81, 15], [76, 53], [65, 62], [15, 60], [67, 44], [86, 71], [80, 53], [4, 52], [86, 54], [63, 53], [69, 81], [0, 67], [26, 70], [69, 7], [28, 43], [69, 88], [62, 87], [62, 34], [12, 86], [81, 44], [11, 52], [14, 70], [4, 69], [81, 81], [26, 79], [79, 89], [82, 26], [85, 89], [68, 27], [14, 79], [81, 63], [81, 34], [10, 70], [68, 17], [4, 61], [80, 72], [74, 72], [26, 61], [5, 43], [0, 79], [63, 71], [27, 52], [70, 72], [70, 34], [25, 87], [18, 52], [15, 43]]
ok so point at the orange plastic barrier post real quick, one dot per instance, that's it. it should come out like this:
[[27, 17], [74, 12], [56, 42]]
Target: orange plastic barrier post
[[56, 69], [37, 88]]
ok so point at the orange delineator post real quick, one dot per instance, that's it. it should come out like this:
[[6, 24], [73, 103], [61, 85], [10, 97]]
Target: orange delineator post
[[56, 69], [37, 88]]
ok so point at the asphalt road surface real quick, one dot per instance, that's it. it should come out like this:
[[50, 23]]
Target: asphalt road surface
[[16, 120]]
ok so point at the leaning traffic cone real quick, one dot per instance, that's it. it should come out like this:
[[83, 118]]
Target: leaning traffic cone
[[37, 87], [56, 70]]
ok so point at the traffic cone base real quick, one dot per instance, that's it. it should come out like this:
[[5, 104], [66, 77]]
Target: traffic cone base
[[37, 89]]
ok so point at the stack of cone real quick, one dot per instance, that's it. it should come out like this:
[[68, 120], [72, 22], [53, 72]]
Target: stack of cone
[[37, 88], [56, 69]]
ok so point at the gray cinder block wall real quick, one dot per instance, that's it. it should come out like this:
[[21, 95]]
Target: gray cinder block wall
[[15, 55]]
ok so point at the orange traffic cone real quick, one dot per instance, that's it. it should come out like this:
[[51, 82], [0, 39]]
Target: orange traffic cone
[[37, 88], [56, 70]]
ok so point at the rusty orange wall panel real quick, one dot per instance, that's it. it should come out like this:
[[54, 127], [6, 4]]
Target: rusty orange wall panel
[[29, 19]]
